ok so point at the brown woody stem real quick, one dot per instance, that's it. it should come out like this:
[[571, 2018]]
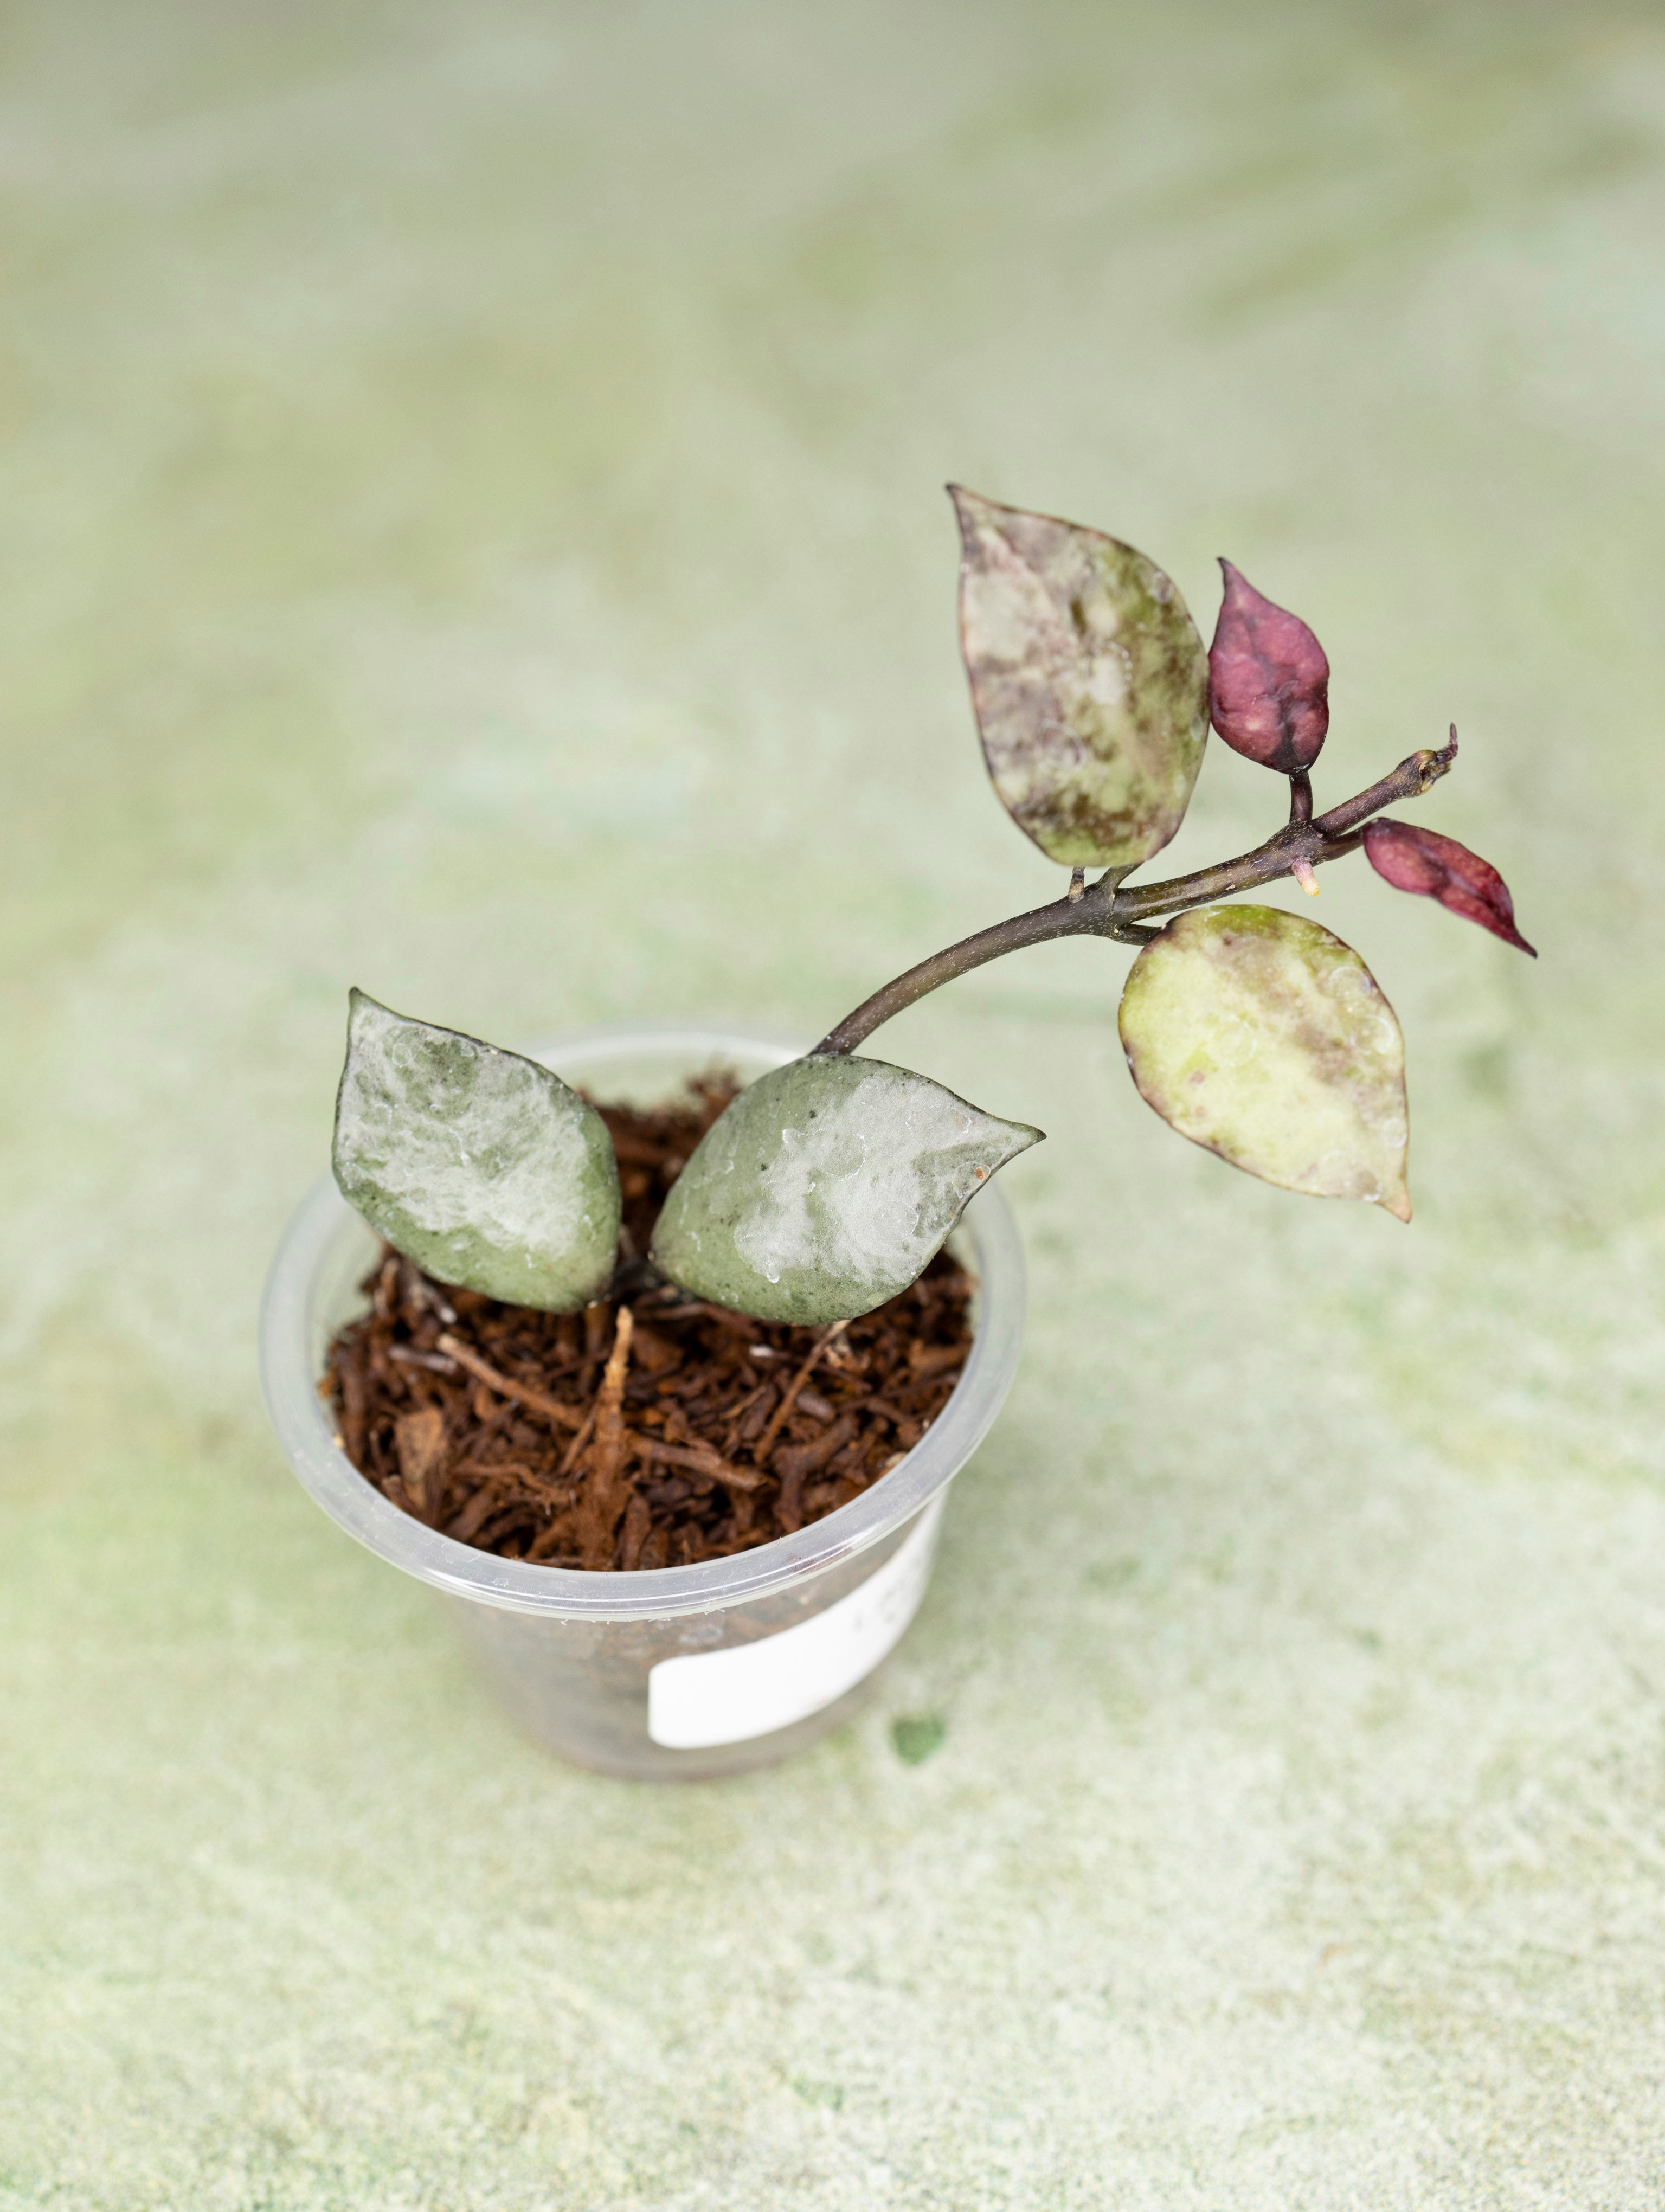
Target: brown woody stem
[[1107, 909]]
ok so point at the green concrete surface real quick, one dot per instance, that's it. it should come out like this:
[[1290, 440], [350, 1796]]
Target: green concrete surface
[[471, 526]]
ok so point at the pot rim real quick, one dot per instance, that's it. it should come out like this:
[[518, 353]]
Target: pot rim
[[304, 1428]]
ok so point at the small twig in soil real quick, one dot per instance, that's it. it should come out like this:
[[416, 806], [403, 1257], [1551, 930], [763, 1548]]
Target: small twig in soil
[[506, 1387], [605, 1494], [437, 1362], [700, 1458], [584, 1427], [778, 1420], [740, 1412]]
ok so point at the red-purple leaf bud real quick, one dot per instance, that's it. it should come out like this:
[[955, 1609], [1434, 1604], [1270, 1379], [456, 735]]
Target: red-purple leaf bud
[[1268, 681], [1431, 866]]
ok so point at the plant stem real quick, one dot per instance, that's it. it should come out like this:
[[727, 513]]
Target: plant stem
[[1065, 917], [1106, 909], [1328, 838]]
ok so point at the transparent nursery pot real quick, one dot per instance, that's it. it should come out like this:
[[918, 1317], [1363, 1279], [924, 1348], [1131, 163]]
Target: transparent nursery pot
[[669, 1673]]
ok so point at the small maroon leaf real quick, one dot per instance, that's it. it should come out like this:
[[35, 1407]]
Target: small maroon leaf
[[1268, 681], [1431, 866]]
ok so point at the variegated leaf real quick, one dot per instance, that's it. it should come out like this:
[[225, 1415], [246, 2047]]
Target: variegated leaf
[[1266, 1038], [826, 1188], [1089, 680], [484, 1167]]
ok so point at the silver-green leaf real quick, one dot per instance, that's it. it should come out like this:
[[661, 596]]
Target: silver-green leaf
[[1263, 1036], [826, 1188], [481, 1166], [1089, 680]]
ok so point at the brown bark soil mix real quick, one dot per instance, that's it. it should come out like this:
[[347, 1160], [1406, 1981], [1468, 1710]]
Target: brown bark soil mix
[[650, 1429]]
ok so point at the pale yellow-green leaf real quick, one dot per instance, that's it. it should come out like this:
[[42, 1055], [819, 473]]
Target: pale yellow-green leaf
[[1263, 1036], [1089, 680]]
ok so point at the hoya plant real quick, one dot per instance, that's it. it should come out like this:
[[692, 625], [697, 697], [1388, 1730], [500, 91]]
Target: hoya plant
[[828, 1186]]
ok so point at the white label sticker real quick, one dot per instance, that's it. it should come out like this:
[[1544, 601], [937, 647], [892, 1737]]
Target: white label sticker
[[750, 1689]]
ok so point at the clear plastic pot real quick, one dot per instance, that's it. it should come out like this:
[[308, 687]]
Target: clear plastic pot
[[673, 1673]]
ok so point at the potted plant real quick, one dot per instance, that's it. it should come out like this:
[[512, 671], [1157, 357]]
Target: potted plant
[[628, 1524]]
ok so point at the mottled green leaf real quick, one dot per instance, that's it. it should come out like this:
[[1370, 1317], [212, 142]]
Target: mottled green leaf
[[1264, 1037], [826, 1188], [481, 1166], [1090, 682]]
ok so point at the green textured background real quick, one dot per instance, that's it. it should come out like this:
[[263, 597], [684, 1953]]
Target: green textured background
[[471, 521]]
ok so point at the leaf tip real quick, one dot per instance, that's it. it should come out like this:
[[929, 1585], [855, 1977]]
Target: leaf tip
[[361, 1008], [1398, 1203], [971, 511]]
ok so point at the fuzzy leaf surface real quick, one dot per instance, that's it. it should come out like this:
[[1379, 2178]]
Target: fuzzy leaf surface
[[1268, 680], [481, 1166], [826, 1188], [1429, 866], [1263, 1036], [1089, 680]]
